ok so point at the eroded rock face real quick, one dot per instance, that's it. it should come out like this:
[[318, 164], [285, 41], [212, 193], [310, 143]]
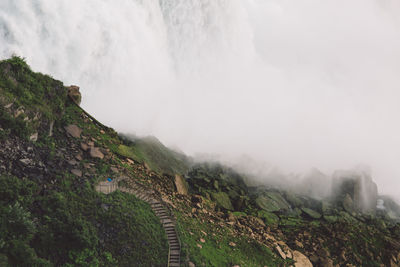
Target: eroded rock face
[[181, 185], [355, 190]]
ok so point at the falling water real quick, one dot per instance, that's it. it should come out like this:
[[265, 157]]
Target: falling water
[[298, 84]]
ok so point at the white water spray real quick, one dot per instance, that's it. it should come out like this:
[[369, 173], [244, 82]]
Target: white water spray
[[294, 83]]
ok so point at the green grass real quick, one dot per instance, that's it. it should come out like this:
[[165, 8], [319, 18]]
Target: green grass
[[77, 227], [157, 156], [216, 250], [60, 220]]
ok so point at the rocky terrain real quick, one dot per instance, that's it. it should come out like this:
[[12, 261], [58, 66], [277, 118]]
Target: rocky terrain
[[53, 154]]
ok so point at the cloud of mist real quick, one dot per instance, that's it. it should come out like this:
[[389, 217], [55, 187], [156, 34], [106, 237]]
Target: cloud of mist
[[296, 84]]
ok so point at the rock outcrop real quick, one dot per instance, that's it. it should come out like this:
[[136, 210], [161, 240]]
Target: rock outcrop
[[355, 190]]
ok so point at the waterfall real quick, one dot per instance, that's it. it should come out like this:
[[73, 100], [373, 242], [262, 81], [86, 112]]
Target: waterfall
[[292, 83]]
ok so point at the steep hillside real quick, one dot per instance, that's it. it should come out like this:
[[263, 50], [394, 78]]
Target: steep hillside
[[50, 214], [53, 154]]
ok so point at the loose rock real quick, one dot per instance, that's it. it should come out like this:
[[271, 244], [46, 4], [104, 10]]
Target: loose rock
[[73, 130]]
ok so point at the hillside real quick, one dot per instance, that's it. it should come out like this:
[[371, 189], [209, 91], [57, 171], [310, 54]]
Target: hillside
[[53, 154]]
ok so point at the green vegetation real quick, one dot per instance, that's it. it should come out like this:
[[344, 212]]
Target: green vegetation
[[220, 246], [76, 228], [51, 217], [152, 152]]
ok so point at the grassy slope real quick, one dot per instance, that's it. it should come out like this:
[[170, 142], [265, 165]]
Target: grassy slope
[[59, 220]]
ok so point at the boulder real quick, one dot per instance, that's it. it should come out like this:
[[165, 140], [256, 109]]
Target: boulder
[[73, 92], [311, 213], [73, 130], [222, 200], [301, 260], [96, 153], [181, 185], [272, 201]]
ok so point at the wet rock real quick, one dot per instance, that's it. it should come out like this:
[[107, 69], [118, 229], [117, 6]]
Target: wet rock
[[181, 185], [96, 153], [73, 130], [301, 260]]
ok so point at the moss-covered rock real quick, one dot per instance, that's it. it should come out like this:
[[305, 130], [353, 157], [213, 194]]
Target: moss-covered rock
[[268, 217], [222, 200], [272, 201], [311, 213]]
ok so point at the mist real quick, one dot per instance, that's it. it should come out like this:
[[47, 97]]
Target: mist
[[295, 84]]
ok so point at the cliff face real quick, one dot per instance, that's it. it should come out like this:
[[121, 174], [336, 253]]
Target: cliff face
[[53, 154]]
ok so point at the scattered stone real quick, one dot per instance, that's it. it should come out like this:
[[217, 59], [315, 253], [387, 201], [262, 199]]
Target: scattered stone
[[299, 244], [76, 172], [130, 161], [34, 137], [102, 132], [326, 262], [79, 157], [96, 153], [73, 130], [19, 112], [199, 246], [232, 244], [280, 252], [84, 147], [72, 162], [301, 260], [191, 264], [202, 240], [90, 143], [8, 105], [115, 170], [25, 161], [204, 233]]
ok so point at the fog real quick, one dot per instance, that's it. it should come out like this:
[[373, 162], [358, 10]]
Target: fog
[[296, 84]]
